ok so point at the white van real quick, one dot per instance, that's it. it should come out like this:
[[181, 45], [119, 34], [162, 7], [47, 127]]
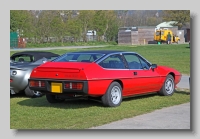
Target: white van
[[90, 32]]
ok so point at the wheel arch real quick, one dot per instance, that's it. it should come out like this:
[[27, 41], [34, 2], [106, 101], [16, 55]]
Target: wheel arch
[[171, 73], [119, 81]]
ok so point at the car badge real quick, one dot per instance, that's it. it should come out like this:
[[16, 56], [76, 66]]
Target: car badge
[[56, 74]]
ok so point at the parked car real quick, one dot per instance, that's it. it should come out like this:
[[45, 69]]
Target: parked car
[[109, 75], [21, 65]]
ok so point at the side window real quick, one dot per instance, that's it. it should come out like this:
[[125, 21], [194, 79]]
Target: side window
[[145, 65], [133, 61], [112, 62]]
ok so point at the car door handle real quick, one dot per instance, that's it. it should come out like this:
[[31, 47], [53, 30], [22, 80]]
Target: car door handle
[[134, 73]]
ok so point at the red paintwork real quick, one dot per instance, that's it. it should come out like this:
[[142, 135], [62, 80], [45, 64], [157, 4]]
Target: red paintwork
[[99, 79]]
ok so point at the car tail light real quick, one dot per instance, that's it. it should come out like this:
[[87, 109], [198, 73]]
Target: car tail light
[[37, 83], [67, 85], [73, 85], [77, 86], [11, 80]]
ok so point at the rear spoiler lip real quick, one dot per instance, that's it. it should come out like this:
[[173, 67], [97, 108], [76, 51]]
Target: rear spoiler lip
[[60, 69]]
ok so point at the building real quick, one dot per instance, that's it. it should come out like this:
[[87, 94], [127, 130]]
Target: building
[[186, 29], [142, 35], [135, 35]]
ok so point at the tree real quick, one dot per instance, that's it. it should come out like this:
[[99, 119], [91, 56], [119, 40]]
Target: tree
[[57, 28], [151, 21], [122, 14], [74, 29], [113, 23], [181, 16], [85, 18], [31, 34], [44, 24], [20, 20], [101, 22]]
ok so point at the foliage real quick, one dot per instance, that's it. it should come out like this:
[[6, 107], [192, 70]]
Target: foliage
[[143, 18], [112, 26], [58, 27], [20, 20], [100, 23], [181, 16], [86, 20], [74, 29], [44, 25], [41, 26]]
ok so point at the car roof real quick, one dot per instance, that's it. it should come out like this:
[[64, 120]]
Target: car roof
[[36, 54], [101, 51]]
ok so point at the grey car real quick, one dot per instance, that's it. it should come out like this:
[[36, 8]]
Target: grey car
[[21, 66]]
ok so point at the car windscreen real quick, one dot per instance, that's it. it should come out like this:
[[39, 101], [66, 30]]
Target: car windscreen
[[78, 57], [158, 33]]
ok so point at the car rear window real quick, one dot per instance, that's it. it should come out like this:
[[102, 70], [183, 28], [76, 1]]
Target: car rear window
[[78, 57]]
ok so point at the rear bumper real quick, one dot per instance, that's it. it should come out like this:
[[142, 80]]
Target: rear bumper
[[47, 88], [12, 91]]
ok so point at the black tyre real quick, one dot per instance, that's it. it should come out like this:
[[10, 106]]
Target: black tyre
[[168, 86], [31, 93], [113, 96], [53, 99]]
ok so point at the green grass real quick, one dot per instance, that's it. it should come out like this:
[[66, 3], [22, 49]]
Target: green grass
[[55, 44], [37, 113], [27, 113], [175, 56]]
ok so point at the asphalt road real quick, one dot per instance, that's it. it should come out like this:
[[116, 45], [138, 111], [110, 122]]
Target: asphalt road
[[175, 117], [184, 83]]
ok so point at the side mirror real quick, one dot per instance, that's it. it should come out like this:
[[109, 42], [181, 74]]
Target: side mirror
[[153, 66]]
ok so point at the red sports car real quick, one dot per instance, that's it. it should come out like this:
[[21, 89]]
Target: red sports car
[[109, 75]]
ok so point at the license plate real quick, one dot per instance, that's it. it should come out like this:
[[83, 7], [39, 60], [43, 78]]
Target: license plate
[[56, 87]]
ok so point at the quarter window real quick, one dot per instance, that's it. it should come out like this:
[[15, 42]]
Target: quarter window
[[113, 62]]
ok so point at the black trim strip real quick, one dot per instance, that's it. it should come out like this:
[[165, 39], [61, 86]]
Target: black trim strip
[[47, 88]]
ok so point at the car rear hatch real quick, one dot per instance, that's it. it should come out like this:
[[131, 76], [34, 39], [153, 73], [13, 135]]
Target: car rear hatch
[[61, 70]]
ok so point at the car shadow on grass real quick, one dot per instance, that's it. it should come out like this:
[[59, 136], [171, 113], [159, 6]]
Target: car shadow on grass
[[67, 104], [81, 102], [18, 95], [182, 91]]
